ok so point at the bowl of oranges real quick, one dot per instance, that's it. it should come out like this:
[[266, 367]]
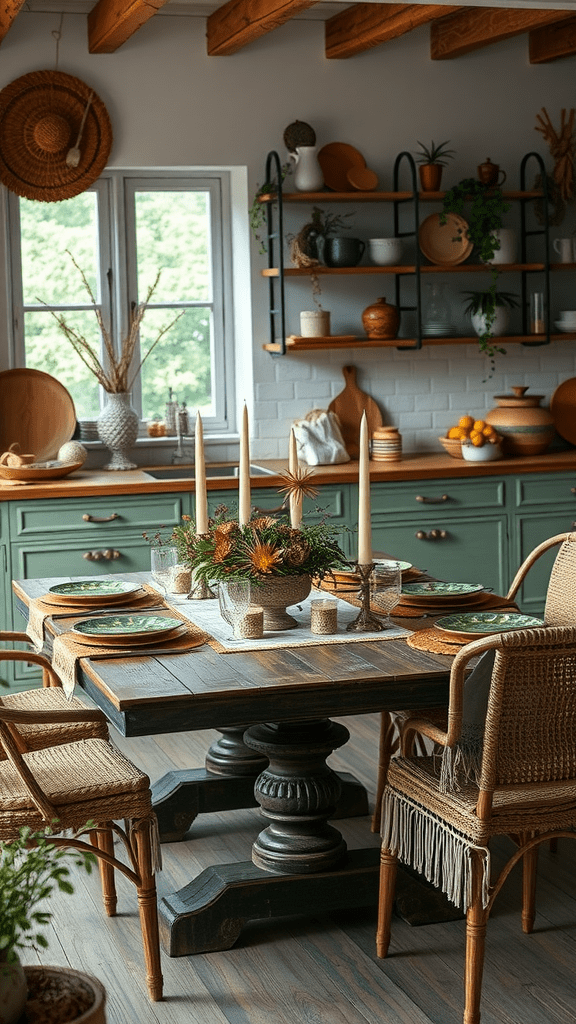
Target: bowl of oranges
[[473, 440]]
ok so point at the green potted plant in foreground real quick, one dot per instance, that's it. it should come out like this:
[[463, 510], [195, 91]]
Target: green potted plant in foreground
[[432, 159], [32, 869]]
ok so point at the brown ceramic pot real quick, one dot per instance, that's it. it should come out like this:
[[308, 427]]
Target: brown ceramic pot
[[525, 427], [381, 320], [430, 177]]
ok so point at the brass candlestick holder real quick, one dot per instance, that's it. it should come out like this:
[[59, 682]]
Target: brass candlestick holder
[[366, 622]]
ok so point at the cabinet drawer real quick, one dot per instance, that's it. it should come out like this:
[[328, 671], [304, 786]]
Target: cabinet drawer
[[468, 550], [63, 557], [450, 495], [147, 512], [550, 489]]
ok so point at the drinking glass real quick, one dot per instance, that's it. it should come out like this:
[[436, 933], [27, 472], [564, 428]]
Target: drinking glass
[[386, 587], [163, 563], [234, 601]]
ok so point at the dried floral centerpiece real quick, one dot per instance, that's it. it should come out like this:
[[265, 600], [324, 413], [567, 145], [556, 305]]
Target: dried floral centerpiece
[[266, 547]]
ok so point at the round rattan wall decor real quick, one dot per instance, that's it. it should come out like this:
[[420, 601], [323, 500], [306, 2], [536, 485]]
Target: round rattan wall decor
[[42, 115]]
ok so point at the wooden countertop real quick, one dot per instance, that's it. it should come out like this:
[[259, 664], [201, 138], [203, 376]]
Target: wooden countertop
[[424, 466]]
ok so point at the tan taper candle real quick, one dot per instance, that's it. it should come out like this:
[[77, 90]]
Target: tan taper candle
[[364, 523], [200, 479], [295, 499], [244, 500]]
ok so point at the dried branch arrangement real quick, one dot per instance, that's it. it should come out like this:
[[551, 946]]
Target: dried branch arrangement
[[561, 146], [113, 373]]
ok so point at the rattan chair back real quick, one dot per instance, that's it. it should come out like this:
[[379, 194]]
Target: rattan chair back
[[560, 607]]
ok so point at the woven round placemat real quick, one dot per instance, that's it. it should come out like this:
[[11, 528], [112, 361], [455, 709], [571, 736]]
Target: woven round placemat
[[41, 116], [429, 640]]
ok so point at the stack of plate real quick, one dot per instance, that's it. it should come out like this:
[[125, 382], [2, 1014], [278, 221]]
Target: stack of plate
[[386, 445], [95, 593], [89, 430], [435, 594], [127, 630], [434, 329]]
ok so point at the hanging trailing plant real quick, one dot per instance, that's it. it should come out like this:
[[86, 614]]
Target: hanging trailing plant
[[485, 207], [257, 211]]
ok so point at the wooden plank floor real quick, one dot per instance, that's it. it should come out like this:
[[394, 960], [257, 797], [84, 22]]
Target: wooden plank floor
[[321, 970]]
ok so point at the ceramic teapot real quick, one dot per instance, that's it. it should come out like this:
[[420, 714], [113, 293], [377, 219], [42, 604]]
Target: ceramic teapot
[[489, 173], [308, 175]]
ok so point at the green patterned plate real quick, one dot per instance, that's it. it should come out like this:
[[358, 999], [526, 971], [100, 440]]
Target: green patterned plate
[[94, 590], [127, 627], [440, 592], [477, 624]]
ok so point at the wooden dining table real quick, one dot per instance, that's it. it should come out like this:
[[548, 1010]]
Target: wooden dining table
[[273, 711]]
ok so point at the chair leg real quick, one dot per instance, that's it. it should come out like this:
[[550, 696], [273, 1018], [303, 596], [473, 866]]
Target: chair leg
[[384, 754], [388, 870], [476, 922], [140, 836], [105, 841], [529, 866]]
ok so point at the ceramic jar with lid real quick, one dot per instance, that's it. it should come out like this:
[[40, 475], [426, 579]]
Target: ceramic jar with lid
[[526, 428], [381, 320]]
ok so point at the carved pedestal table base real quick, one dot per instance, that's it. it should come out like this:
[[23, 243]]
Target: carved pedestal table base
[[299, 862]]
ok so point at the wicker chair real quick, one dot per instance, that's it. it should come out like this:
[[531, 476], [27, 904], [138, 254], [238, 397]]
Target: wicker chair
[[88, 781], [49, 697], [526, 788], [560, 610]]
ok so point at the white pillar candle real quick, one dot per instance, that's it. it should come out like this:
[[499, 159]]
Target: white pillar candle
[[295, 499], [244, 500], [364, 523], [200, 479]]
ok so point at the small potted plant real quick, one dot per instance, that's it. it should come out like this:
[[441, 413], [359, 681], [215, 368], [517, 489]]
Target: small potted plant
[[31, 870], [490, 311], [432, 159]]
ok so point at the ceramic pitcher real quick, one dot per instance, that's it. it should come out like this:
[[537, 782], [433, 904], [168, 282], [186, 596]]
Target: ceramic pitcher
[[308, 175]]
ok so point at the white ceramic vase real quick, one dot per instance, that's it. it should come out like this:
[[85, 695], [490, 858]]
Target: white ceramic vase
[[499, 326], [118, 429]]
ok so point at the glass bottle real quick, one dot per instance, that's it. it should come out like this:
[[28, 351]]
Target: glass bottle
[[171, 413], [183, 420]]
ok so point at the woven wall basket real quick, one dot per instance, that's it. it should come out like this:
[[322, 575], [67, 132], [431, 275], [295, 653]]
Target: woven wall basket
[[40, 120]]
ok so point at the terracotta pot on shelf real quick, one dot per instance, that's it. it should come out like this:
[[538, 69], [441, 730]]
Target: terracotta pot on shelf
[[525, 427], [381, 320], [430, 177]]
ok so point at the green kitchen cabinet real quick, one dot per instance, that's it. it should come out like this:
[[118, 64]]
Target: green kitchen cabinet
[[456, 530], [543, 506]]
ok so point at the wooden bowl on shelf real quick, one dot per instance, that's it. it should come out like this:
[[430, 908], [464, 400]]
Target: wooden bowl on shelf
[[453, 445]]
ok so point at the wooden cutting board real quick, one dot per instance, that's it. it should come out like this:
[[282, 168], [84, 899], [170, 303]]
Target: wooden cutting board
[[349, 406]]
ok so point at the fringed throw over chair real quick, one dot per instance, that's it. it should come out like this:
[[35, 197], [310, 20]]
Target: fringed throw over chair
[[560, 610], [49, 697], [61, 788], [440, 819]]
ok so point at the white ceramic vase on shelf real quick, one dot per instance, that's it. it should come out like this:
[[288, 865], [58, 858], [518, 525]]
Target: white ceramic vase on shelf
[[308, 175], [118, 429], [499, 326]]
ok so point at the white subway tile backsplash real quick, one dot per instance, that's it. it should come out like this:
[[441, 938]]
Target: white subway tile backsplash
[[274, 392]]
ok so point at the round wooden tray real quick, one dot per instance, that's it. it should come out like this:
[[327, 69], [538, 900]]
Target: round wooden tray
[[36, 411], [563, 409], [31, 473], [445, 244]]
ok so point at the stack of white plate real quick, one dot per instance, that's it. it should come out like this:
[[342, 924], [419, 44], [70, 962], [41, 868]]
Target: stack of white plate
[[386, 444], [88, 430], [566, 321]]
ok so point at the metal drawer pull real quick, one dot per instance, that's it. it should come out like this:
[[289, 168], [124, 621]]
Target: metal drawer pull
[[432, 535], [573, 490], [96, 556], [95, 519], [432, 501]]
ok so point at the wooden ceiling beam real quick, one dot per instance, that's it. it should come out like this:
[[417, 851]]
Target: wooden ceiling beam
[[364, 26], [112, 22], [553, 42], [8, 11], [475, 27], [240, 22]]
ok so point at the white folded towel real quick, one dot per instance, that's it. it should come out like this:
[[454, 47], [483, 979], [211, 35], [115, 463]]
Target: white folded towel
[[319, 440]]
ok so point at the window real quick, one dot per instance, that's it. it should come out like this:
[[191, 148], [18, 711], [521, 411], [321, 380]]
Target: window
[[121, 233]]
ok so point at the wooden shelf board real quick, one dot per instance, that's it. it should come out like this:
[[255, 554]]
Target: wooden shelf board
[[375, 197], [298, 344], [435, 268]]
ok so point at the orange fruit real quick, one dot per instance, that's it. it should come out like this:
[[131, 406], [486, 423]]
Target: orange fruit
[[455, 432], [489, 431], [479, 425], [467, 422], [477, 438]]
